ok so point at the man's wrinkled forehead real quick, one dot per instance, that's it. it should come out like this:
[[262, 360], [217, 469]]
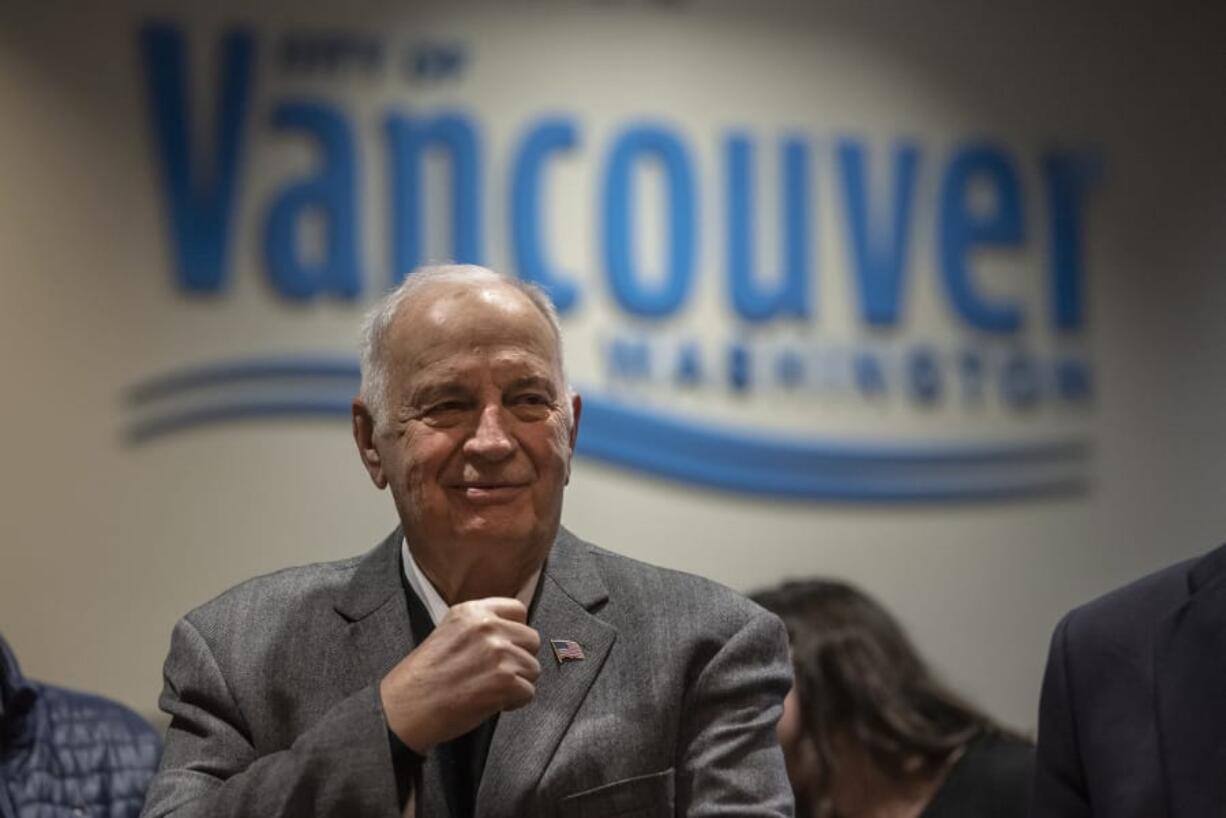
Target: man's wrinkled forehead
[[482, 314], [441, 302]]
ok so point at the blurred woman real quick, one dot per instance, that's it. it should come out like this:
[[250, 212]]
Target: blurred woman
[[869, 733]]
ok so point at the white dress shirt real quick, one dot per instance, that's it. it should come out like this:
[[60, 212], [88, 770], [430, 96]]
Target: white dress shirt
[[436, 606]]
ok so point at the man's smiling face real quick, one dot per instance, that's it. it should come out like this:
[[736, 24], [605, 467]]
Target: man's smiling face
[[477, 437]]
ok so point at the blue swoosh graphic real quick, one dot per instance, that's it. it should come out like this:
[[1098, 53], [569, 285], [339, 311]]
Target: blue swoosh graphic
[[343, 370], [702, 454]]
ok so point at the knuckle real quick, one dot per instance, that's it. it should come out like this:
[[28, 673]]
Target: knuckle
[[506, 674]]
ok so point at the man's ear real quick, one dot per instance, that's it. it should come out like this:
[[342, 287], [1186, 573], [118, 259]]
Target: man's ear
[[576, 409], [364, 437]]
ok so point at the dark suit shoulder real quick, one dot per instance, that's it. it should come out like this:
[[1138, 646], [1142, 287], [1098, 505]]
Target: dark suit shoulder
[[1098, 729], [1096, 711], [1127, 615]]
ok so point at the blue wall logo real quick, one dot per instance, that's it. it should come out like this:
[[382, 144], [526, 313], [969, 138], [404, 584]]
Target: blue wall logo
[[991, 352]]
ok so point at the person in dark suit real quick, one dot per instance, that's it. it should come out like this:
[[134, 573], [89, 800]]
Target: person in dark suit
[[481, 660], [1132, 718], [868, 731]]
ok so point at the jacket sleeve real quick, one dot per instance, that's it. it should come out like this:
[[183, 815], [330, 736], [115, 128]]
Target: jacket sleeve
[[1059, 781], [729, 758], [340, 766]]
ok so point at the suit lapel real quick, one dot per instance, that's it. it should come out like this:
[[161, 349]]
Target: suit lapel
[[374, 605], [1190, 686], [526, 739]]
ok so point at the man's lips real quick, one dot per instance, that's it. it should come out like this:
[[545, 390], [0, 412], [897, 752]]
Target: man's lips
[[488, 493]]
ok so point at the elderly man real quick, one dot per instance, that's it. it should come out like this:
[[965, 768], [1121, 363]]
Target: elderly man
[[481, 660]]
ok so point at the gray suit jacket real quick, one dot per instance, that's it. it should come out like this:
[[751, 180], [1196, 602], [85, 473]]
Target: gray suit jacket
[[272, 689]]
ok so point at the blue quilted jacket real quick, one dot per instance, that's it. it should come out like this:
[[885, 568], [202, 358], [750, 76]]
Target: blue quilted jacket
[[69, 754]]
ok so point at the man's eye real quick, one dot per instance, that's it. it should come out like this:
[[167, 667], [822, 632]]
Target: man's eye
[[446, 407], [531, 405], [532, 399]]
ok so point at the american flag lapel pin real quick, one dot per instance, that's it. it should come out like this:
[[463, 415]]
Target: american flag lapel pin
[[565, 650]]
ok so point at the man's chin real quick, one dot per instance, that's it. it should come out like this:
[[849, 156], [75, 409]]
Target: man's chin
[[490, 527]]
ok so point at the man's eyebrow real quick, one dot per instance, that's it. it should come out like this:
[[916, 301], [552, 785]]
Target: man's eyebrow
[[533, 381], [430, 392]]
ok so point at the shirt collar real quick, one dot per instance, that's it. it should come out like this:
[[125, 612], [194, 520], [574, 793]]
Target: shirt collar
[[429, 595]]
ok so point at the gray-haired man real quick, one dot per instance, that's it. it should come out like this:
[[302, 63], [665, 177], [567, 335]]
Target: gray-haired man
[[481, 660]]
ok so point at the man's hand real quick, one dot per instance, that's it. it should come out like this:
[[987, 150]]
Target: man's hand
[[480, 660]]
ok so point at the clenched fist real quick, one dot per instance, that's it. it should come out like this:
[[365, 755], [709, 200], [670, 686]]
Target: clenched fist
[[480, 660]]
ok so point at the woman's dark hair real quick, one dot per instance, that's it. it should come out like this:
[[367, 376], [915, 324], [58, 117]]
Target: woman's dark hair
[[858, 676]]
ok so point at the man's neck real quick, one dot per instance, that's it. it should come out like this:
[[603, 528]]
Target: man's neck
[[481, 576]]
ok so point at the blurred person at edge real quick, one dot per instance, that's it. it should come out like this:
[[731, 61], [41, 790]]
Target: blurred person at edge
[[65, 754], [869, 733], [1132, 719], [482, 660]]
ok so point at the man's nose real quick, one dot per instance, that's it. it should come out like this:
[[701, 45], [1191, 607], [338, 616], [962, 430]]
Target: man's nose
[[491, 440]]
